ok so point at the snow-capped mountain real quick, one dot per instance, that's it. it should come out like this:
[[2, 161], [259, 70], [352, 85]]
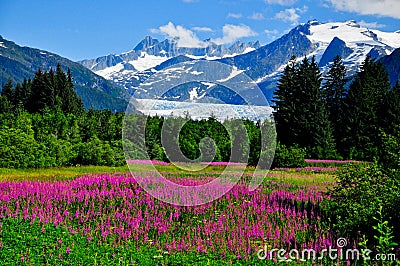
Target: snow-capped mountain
[[263, 64], [150, 52], [322, 40], [351, 41]]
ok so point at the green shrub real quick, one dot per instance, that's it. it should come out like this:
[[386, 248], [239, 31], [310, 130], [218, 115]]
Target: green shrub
[[365, 190], [289, 157], [360, 192], [18, 149], [98, 152]]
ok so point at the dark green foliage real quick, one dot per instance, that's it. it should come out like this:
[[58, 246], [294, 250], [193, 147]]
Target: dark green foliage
[[334, 93], [361, 113], [333, 122], [289, 156], [285, 103], [43, 124], [49, 90], [390, 151], [54, 138], [300, 111], [206, 140], [357, 197], [8, 91], [390, 111], [362, 189]]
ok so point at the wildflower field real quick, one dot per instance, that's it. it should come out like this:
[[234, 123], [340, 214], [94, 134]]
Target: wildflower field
[[108, 219]]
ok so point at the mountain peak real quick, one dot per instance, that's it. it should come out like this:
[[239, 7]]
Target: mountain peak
[[146, 43], [313, 22]]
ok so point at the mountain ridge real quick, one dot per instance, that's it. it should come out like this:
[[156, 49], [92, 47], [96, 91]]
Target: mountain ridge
[[265, 63], [19, 62]]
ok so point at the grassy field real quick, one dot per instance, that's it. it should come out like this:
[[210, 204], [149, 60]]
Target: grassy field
[[100, 216]]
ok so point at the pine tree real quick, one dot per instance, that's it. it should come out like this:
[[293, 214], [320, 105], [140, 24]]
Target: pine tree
[[300, 112], [72, 102], [334, 93], [361, 110], [315, 131], [37, 101], [49, 92], [22, 93], [284, 103], [8, 91]]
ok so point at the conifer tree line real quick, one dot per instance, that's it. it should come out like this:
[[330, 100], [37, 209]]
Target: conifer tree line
[[47, 90], [331, 119], [43, 124]]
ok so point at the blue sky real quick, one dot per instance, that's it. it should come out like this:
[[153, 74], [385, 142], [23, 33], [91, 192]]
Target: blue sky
[[88, 29]]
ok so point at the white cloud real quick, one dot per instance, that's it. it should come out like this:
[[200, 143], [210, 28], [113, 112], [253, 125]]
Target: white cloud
[[371, 25], [257, 16], [234, 15], [388, 8], [281, 2], [291, 14], [232, 33], [272, 34], [203, 29], [184, 37], [189, 39]]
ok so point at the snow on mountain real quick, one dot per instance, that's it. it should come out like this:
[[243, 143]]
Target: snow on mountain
[[233, 74], [150, 53], [146, 61], [322, 40], [359, 40]]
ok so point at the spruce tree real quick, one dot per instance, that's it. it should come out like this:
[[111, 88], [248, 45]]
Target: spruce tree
[[6, 98], [361, 111], [49, 91], [72, 102], [284, 102], [37, 101], [300, 112], [22, 93], [334, 93], [8, 91], [314, 128]]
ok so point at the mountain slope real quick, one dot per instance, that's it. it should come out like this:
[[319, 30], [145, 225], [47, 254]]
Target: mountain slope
[[129, 69], [392, 64], [19, 62]]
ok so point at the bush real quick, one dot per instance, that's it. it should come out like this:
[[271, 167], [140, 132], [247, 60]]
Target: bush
[[360, 191], [97, 152], [18, 149], [363, 189], [289, 157]]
